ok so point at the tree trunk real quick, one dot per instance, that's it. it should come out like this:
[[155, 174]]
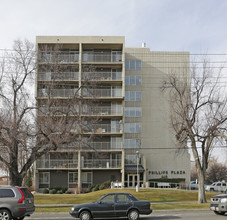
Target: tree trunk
[[201, 192], [16, 179]]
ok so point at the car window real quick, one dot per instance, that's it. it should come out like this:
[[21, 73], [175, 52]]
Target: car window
[[122, 198], [223, 184], [26, 193], [6, 193], [108, 198], [218, 184]]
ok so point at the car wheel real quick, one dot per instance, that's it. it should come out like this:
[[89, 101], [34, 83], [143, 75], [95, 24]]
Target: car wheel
[[85, 215], [133, 214], [219, 213], [5, 214], [212, 190], [21, 218]]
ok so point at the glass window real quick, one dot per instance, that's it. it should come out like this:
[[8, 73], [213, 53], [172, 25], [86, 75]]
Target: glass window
[[138, 64], [44, 178], [133, 64], [132, 128], [108, 198], [132, 143], [133, 112], [73, 177], [133, 80], [6, 193], [122, 198], [133, 96]]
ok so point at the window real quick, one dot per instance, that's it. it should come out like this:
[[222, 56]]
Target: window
[[132, 143], [73, 177], [132, 128], [133, 80], [6, 193], [133, 64], [130, 159], [86, 177], [133, 96], [133, 112], [44, 178], [122, 198], [108, 198]]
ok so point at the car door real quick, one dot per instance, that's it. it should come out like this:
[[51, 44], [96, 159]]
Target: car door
[[122, 204], [105, 207]]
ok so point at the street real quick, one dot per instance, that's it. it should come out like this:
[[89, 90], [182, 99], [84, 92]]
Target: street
[[156, 215]]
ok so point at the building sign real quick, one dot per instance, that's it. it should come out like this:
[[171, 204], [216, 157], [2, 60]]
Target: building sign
[[174, 172]]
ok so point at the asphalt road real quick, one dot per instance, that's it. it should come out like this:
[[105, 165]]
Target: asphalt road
[[156, 215]]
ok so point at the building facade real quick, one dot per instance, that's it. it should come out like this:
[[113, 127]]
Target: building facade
[[132, 138]]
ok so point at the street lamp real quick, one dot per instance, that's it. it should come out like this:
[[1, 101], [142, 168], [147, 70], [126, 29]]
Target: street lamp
[[137, 171]]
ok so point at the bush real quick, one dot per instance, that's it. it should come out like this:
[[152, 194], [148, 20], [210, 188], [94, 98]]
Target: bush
[[45, 191], [53, 191], [101, 187], [59, 192], [107, 184], [96, 188], [68, 192]]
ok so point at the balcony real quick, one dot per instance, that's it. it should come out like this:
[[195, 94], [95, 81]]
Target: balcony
[[57, 93], [103, 111], [102, 146], [103, 93], [102, 57], [103, 129], [62, 76], [61, 110], [101, 163], [57, 164], [103, 76], [58, 57]]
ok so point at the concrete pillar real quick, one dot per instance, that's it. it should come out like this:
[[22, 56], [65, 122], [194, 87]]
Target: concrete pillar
[[79, 172]]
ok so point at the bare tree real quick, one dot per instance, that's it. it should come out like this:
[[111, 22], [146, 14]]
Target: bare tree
[[216, 172], [198, 112], [25, 136]]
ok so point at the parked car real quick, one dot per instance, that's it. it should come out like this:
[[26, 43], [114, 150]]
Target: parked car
[[112, 205], [15, 203], [194, 185], [218, 204], [217, 186]]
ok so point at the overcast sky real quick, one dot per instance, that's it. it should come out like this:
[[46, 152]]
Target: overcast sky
[[197, 26], [171, 25]]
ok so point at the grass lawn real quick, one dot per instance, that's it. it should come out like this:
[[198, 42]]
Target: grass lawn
[[153, 195]]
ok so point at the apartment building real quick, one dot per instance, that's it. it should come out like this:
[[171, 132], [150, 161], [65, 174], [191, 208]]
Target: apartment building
[[132, 138]]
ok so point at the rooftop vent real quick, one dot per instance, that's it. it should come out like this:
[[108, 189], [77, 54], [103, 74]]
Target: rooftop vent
[[143, 44]]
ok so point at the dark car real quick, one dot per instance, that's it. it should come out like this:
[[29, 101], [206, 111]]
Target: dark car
[[218, 204], [112, 205], [15, 203]]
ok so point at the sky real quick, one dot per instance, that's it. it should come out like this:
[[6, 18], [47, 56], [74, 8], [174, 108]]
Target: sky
[[197, 26]]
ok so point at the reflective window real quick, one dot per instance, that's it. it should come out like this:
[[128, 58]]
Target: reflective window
[[73, 177], [133, 80], [132, 128], [132, 143], [108, 198], [133, 64], [133, 112], [133, 96], [44, 178]]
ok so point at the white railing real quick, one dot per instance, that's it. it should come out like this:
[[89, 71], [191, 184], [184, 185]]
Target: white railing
[[102, 129], [63, 76], [57, 164], [102, 57], [62, 57], [101, 75], [101, 163], [101, 146], [102, 110], [65, 93], [98, 93]]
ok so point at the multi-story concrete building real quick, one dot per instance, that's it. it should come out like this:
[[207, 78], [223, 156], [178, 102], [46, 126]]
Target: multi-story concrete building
[[134, 136]]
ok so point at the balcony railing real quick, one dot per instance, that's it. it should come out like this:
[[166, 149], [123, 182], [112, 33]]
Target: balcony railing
[[57, 164], [99, 110], [101, 146], [102, 93], [63, 76], [61, 110], [102, 76], [102, 56], [101, 163], [61, 93], [103, 128], [63, 57]]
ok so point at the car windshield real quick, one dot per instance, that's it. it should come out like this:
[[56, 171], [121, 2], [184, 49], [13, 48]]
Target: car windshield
[[213, 184]]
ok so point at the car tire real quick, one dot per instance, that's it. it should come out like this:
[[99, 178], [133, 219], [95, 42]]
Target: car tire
[[219, 213], [133, 214], [212, 190], [21, 218], [85, 215], [5, 214]]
